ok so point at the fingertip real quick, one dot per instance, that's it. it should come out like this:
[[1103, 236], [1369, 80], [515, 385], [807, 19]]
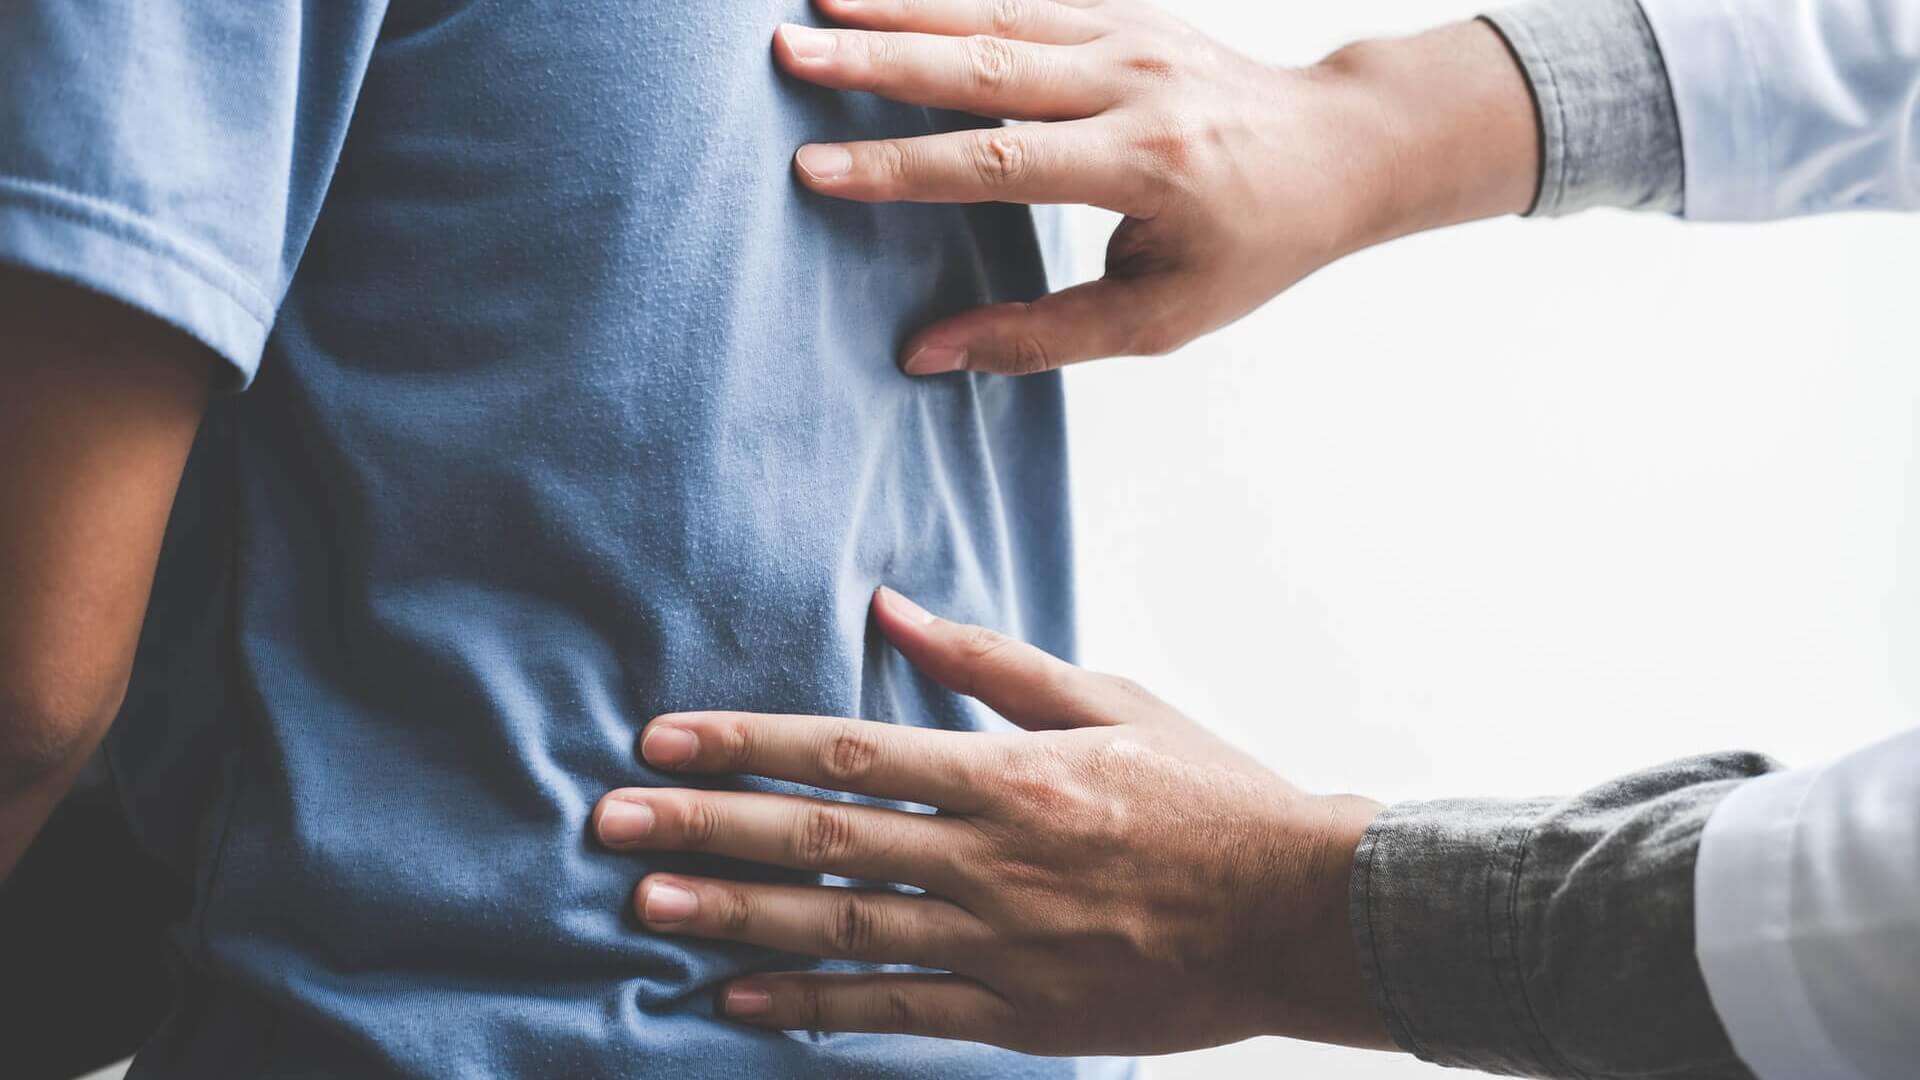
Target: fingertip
[[620, 795], [901, 610], [804, 45], [743, 1001], [622, 820], [917, 633], [935, 360], [661, 901], [665, 744], [823, 163]]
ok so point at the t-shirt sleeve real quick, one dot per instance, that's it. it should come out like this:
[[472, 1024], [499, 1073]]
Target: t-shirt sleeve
[[173, 154]]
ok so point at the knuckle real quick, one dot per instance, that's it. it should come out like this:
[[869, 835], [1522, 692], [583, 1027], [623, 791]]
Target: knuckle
[[981, 643], [875, 55], [1151, 64], [853, 926], [823, 836], [1028, 355], [1007, 765], [1000, 158], [991, 62], [810, 1005], [1169, 145], [1006, 18], [850, 754], [736, 746], [1031, 778], [1061, 999], [978, 649], [898, 1010], [1106, 824], [699, 822], [892, 163], [732, 911]]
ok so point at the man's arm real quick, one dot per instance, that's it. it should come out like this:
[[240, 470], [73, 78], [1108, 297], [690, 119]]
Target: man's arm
[[98, 408], [1120, 882], [1548, 937]]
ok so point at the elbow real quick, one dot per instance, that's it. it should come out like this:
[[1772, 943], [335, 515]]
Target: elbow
[[46, 734]]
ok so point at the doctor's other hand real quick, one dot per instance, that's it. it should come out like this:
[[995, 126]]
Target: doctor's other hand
[[1236, 179], [1114, 880]]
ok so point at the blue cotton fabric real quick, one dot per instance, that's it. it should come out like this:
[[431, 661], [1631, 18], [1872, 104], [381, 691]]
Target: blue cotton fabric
[[567, 407]]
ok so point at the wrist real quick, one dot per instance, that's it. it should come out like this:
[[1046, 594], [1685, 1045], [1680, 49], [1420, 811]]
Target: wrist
[[1325, 996], [1447, 130]]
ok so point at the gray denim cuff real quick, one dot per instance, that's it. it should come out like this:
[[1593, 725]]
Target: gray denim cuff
[[1609, 133], [1548, 937]]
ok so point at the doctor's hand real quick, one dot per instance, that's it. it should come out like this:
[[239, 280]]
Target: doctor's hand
[[1236, 179], [1115, 880]]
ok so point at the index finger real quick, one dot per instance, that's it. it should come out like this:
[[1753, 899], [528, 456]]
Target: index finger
[[1024, 20], [944, 769], [1069, 161], [981, 75]]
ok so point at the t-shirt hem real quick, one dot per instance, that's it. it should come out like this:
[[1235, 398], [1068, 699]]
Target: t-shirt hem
[[122, 255]]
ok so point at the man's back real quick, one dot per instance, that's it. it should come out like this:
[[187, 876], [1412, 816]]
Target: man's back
[[576, 410]]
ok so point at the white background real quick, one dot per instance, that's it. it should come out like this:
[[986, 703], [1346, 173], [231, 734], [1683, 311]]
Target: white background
[[1513, 508]]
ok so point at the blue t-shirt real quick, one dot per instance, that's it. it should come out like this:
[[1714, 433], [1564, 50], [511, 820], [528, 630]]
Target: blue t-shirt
[[566, 407]]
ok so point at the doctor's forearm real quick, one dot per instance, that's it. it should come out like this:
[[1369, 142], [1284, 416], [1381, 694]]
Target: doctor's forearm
[[1548, 937], [1578, 113]]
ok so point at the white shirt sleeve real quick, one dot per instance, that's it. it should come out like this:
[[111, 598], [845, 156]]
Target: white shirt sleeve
[[1791, 107], [1807, 912]]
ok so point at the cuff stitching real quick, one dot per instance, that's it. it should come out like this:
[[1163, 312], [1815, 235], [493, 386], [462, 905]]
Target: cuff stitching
[[130, 227], [1397, 1025], [1551, 101], [1560, 130]]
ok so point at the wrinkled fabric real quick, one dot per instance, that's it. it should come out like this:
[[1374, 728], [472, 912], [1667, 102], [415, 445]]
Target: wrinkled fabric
[[568, 407], [1548, 937]]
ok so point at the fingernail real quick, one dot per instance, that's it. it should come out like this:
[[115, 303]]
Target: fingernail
[[936, 360], [666, 903], [806, 43], [904, 607], [746, 1001], [669, 747], [623, 822], [824, 161]]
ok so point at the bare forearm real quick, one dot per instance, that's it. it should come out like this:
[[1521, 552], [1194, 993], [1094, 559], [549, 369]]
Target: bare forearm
[[1450, 134]]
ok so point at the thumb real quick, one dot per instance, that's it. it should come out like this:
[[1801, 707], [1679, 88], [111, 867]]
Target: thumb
[[1114, 316], [1028, 686]]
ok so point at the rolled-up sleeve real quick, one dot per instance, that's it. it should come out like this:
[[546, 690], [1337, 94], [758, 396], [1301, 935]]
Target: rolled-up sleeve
[[1548, 937], [1609, 134]]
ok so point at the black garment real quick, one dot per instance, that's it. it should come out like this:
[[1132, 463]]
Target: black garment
[[84, 973]]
